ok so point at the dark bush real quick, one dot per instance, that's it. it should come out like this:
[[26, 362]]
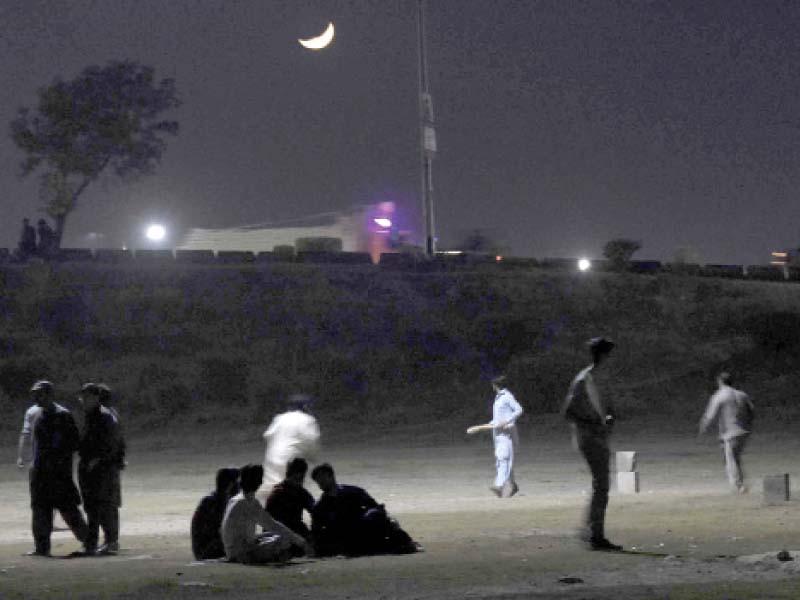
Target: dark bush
[[377, 346], [224, 380], [16, 377], [318, 244], [774, 332]]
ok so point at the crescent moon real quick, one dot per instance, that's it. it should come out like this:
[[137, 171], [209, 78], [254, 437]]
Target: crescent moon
[[319, 42]]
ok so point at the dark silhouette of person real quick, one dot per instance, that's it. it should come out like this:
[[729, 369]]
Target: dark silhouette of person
[[47, 239], [592, 416], [98, 471], [27, 240], [288, 499], [107, 401], [55, 439], [207, 518], [347, 520]]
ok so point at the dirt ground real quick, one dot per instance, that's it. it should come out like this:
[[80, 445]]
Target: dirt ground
[[685, 536]]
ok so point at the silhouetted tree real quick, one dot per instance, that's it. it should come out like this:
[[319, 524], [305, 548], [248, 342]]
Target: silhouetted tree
[[478, 240], [106, 118], [619, 252]]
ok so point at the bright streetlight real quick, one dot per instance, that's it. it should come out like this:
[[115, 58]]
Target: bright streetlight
[[584, 264], [155, 232]]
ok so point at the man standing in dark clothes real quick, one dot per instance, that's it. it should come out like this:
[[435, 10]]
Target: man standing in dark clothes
[[55, 438], [347, 520], [207, 518], [289, 498], [592, 419], [27, 240], [98, 471], [47, 239], [106, 402]]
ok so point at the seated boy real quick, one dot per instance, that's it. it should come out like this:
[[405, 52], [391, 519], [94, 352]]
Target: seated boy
[[277, 543], [289, 498], [207, 518], [347, 520]]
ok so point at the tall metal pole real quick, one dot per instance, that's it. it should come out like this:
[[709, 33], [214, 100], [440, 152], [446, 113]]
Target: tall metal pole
[[427, 136]]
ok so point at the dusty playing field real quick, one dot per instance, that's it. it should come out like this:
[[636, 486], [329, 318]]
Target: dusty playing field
[[686, 536]]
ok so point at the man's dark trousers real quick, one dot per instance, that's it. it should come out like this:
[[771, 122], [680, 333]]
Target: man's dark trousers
[[42, 524], [105, 515], [593, 445]]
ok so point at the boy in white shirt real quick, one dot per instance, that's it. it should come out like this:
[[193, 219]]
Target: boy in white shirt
[[292, 434], [277, 543]]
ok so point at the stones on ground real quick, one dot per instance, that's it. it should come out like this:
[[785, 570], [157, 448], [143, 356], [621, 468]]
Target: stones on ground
[[776, 489], [626, 461], [627, 475], [628, 482]]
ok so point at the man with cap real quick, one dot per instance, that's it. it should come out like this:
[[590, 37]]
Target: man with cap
[[98, 471], [505, 412], [54, 439], [591, 417], [294, 433], [106, 401]]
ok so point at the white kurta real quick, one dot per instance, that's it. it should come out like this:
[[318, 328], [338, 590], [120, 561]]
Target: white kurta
[[505, 409], [291, 434]]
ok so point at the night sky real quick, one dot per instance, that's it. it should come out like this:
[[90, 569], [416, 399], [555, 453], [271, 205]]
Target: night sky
[[561, 123]]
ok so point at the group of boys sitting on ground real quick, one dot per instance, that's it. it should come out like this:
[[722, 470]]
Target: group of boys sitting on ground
[[345, 520]]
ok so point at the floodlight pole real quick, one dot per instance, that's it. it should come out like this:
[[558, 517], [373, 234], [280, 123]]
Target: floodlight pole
[[427, 136]]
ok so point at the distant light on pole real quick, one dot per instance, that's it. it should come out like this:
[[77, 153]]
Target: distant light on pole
[[584, 264], [155, 233]]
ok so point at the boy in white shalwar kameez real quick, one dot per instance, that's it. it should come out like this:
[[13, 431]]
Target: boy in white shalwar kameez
[[505, 412], [292, 434]]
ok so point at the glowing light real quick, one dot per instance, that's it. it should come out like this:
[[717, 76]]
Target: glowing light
[[321, 41], [156, 232], [498, 258], [584, 264], [383, 222]]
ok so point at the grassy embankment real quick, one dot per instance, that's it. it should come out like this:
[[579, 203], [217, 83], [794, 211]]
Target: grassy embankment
[[214, 347]]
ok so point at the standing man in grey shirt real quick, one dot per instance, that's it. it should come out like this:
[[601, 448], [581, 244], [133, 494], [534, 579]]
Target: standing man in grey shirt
[[734, 411], [592, 417]]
